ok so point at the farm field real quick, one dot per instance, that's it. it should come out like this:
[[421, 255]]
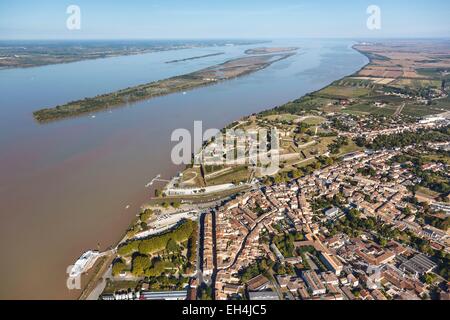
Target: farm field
[[343, 92], [364, 109], [416, 83]]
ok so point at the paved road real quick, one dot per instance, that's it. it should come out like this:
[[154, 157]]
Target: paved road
[[96, 285], [275, 284], [97, 291], [199, 273]]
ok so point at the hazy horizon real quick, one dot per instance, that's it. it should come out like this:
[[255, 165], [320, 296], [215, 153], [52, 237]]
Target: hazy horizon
[[199, 19], [222, 39]]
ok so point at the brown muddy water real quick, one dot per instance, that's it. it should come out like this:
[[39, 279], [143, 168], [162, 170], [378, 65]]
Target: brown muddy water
[[64, 186]]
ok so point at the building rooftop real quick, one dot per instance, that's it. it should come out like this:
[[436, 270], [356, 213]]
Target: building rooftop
[[263, 295], [419, 264]]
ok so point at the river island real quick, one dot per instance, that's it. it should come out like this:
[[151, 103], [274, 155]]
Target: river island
[[230, 69], [196, 57], [267, 50]]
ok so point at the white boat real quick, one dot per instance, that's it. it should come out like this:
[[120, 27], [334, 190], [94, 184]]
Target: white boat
[[85, 262]]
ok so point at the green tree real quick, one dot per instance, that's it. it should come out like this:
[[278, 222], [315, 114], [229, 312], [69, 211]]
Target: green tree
[[128, 248], [430, 278], [205, 293], [172, 246], [146, 215], [118, 266], [159, 242], [176, 204], [143, 226], [329, 161], [383, 242], [157, 268], [140, 264]]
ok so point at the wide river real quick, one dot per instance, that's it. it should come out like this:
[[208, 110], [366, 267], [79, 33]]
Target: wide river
[[65, 186]]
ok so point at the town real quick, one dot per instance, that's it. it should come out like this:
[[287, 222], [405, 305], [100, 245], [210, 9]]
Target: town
[[357, 208], [371, 225]]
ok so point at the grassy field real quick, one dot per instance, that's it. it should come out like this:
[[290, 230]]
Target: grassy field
[[193, 177], [443, 104], [435, 73], [351, 147], [289, 165], [416, 110], [239, 174], [113, 286], [304, 104], [281, 117], [313, 120], [319, 148], [364, 109], [437, 157], [416, 83], [343, 92]]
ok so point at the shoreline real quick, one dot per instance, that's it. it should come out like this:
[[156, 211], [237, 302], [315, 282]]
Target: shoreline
[[228, 70], [124, 234], [330, 84], [196, 57], [124, 54]]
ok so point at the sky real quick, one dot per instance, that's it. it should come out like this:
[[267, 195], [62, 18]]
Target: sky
[[200, 19]]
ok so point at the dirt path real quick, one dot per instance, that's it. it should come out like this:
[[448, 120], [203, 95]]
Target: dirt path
[[399, 110]]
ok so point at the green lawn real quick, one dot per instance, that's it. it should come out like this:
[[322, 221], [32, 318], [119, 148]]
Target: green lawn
[[417, 110], [417, 84], [351, 147], [361, 109], [113, 286], [344, 92], [313, 121], [437, 157], [237, 175], [281, 117]]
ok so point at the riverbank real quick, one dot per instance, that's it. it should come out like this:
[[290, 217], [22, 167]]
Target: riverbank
[[228, 70], [83, 172], [267, 50], [159, 201], [343, 93], [196, 57], [34, 53]]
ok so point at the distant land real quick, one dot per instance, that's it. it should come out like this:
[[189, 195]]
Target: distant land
[[25, 54], [224, 71], [402, 82], [196, 57], [265, 50]]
